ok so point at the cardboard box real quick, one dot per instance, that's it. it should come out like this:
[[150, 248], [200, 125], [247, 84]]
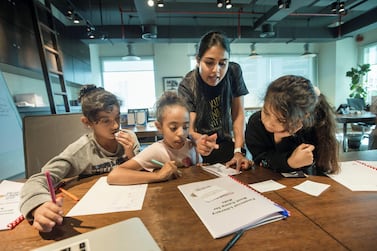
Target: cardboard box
[[28, 99]]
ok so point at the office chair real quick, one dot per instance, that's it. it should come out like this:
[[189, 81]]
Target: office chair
[[358, 104], [45, 136]]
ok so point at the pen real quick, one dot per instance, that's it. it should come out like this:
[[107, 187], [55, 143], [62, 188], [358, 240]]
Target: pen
[[50, 186], [162, 164], [233, 241], [73, 197]]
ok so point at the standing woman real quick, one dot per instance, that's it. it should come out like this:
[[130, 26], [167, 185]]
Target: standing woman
[[295, 130], [214, 94]]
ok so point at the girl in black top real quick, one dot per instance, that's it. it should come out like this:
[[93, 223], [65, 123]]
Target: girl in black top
[[294, 130]]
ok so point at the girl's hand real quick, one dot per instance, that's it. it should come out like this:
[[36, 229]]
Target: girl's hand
[[168, 171], [127, 141], [47, 215], [301, 156], [205, 144]]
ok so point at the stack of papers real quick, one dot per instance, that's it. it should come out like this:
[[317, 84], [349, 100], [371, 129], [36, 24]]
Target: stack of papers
[[220, 170]]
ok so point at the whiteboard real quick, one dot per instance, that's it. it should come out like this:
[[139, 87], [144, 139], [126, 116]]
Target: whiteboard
[[11, 146]]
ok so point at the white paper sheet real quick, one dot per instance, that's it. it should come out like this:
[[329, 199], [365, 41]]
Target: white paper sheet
[[357, 175], [220, 170], [266, 186], [9, 202], [311, 187], [105, 198]]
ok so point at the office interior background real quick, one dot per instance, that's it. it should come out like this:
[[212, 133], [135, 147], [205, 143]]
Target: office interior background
[[164, 40]]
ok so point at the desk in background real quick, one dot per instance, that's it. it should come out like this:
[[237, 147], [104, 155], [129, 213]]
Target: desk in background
[[336, 220], [364, 117], [146, 134]]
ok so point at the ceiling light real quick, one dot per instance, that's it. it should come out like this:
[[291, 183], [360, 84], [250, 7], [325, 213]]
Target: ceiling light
[[69, 14], [130, 56], [228, 4], [280, 4], [220, 3], [338, 7], [76, 19], [284, 4], [307, 53], [150, 3], [341, 7], [267, 30], [160, 3], [149, 32], [91, 35], [253, 53]]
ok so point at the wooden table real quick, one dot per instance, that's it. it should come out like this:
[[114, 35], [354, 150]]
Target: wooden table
[[364, 117], [336, 220]]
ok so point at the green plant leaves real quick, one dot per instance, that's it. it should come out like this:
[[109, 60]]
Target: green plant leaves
[[357, 77]]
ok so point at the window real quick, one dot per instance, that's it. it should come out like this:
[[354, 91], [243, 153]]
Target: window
[[370, 57], [259, 72], [126, 79]]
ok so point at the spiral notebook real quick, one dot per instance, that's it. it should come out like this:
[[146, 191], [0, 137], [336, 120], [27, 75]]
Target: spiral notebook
[[358, 175], [225, 205], [10, 215]]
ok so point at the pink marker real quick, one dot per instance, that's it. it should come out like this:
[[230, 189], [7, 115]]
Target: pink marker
[[50, 186]]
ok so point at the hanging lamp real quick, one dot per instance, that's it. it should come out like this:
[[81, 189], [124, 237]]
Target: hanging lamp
[[130, 56], [254, 54], [307, 53]]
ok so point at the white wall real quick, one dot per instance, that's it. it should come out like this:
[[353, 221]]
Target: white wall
[[335, 59]]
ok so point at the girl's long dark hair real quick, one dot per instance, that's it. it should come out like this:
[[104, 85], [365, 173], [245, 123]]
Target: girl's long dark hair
[[295, 100]]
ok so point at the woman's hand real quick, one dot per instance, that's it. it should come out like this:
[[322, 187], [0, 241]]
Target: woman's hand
[[205, 144], [301, 156], [240, 162], [47, 215], [127, 141]]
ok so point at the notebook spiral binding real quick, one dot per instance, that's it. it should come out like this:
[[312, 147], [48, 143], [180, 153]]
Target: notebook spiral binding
[[367, 165], [14, 223]]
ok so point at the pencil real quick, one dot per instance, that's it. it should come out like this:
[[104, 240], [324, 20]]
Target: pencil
[[73, 197], [233, 240], [157, 162], [50, 186]]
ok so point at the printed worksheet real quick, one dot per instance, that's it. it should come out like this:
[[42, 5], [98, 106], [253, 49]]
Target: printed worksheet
[[9, 202], [104, 198]]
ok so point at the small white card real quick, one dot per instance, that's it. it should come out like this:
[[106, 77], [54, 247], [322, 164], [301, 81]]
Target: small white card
[[266, 186], [311, 187]]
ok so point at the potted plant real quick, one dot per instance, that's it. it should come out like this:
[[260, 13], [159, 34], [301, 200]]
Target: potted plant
[[357, 98], [357, 80]]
